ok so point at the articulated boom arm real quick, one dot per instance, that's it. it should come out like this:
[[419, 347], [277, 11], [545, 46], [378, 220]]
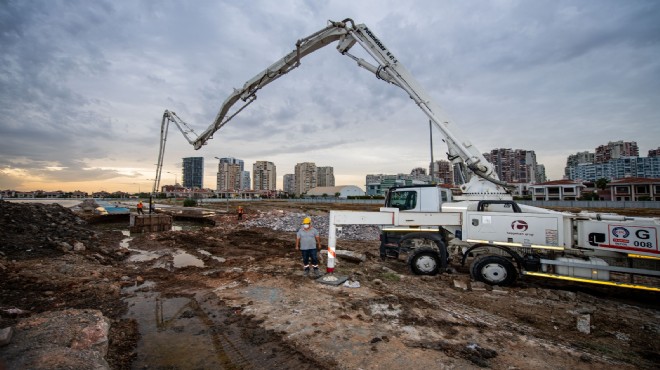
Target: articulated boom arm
[[486, 185], [164, 127]]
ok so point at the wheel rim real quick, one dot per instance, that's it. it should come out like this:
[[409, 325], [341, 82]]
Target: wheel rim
[[425, 264], [494, 272]]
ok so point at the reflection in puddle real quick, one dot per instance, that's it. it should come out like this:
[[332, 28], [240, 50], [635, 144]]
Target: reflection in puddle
[[183, 259], [181, 225], [175, 333], [124, 243]]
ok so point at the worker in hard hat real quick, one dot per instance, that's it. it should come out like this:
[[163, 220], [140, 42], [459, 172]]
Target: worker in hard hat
[[240, 211], [308, 242]]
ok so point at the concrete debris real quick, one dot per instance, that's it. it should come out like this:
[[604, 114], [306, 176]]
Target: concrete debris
[[5, 336], [291, 221], [351, 256], [622, 336], [68, 339], [584, 324], [459, 284], [478, 286], [351, 284], [499, 290], [14, 312]]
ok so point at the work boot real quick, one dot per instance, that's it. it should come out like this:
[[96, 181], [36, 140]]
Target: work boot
[[317, 273], [306, 272]]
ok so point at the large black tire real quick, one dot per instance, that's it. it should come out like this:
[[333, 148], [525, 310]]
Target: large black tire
[[494, 270], [425, 262]]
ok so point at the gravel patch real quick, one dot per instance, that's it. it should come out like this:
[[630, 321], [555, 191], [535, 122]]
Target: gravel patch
[[291, 221]]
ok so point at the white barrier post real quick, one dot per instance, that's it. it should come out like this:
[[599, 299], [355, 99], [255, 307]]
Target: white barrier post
[[332, 243]]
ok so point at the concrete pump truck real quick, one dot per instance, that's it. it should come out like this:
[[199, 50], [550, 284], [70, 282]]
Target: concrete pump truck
[[483, 226]]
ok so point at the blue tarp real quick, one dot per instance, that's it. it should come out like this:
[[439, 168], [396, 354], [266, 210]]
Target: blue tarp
[[112, 208]]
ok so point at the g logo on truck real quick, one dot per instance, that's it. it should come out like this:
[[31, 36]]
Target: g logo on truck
[[620, 232], [519, 225]]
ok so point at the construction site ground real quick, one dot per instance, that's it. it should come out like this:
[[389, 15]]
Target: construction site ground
[[233, 296]]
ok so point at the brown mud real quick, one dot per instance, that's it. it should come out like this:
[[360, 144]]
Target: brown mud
[[231, 296]]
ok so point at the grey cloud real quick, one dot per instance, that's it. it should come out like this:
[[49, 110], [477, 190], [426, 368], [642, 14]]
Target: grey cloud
[[83, 81]]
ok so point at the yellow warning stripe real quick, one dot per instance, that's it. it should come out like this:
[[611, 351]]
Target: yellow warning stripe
[[509, 244], [591, 281], [643, 256]]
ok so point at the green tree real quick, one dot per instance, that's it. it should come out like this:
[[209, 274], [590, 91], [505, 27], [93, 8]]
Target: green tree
[[602, 183]]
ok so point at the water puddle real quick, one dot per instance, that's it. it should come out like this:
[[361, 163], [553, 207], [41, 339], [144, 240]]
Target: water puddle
[[183, 225], [199, 332], [125, 243], [177, 334], [184, 259]]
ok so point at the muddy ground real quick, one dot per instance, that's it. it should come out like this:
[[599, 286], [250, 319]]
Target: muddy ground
[[233, 296]]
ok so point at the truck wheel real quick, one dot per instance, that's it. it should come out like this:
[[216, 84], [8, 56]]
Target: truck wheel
[[425, 263], [494, 270]]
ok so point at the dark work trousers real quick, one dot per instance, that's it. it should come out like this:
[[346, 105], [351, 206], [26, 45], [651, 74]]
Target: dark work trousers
[[308, 254]]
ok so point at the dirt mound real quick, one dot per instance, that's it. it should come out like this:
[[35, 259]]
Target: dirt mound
[[38, 230]]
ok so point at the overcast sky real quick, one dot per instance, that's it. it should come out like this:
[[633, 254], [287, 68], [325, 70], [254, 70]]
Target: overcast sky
[[84, 84]]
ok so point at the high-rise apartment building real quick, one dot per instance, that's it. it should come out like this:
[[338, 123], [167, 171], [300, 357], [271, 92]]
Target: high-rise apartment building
[[418, 171], [245, 180], [325, 176], [514, 166], [419, 174], [305, 177], [192, 173], [625, 167], [578, 158], [540, 174], [616, 149], [616, 160], [289, 183], [442, 171], [264, 176], [654, 152], [231, 175]]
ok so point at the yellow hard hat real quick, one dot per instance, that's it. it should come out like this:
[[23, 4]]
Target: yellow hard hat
[[307, 220]]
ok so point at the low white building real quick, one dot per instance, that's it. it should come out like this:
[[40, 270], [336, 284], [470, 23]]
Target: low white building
[[343, 191], [557, 190]]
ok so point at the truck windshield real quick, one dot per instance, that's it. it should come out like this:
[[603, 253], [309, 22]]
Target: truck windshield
[[403, 200]]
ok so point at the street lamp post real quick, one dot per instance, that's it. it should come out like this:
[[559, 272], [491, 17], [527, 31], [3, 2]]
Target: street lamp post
[[175, 177]]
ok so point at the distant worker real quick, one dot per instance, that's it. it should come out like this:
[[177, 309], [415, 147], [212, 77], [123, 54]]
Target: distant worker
[[240, 212], [139, 208], [307, 241]]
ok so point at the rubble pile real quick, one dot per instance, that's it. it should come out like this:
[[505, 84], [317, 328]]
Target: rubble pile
[[39, 230], [291, 221]]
